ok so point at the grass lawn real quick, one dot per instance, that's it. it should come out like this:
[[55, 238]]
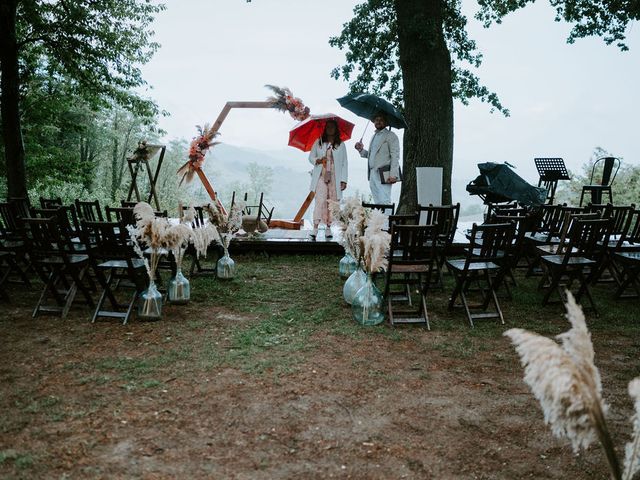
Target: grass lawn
[[267, 376]]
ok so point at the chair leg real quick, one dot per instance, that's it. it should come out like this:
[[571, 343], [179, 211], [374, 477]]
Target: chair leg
[[456, 290], [424, 310], [554, 282]]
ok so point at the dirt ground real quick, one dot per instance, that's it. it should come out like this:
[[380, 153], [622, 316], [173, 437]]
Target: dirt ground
[[267, 377]]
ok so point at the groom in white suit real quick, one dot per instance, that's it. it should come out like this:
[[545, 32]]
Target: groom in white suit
[[384, 151]]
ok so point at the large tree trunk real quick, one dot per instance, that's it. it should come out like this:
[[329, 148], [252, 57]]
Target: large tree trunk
[[426, 71], [10, 99]]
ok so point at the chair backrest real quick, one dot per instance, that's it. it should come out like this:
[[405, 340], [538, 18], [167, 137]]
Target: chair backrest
[[66, 215], [43, 237], [549, 218], [403, 219], [620, 215], [413, 244], [446, 216], [21, 205], [496, 239], [608, 173], [126, 204], [632, 234], [50, 202], [198, 218], [123, 215], [89, 211], [586, 236], [107, 240], [10, 220], [383, 207]]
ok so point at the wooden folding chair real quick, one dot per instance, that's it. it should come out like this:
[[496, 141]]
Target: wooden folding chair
[[483, 265], [121, 215], [61, 268], [387, 209], [198, 265], [113, 259], [629, 263], [412, 257], [50, 202], [89, 211], [446, 217], [576, 260]]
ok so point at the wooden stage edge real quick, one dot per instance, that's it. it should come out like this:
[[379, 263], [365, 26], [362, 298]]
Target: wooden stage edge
[[278, 241]]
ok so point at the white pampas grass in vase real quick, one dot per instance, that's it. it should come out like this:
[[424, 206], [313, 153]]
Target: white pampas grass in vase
[[632, 450], [375, 242], [564, 379]]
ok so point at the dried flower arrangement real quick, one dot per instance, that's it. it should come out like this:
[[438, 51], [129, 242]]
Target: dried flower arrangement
[[227, 225], [351, 217], [197, 150], [564, 379], [374, 244], [284, 101]]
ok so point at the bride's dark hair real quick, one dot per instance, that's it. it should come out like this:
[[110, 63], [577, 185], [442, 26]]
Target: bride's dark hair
[[336, 137]]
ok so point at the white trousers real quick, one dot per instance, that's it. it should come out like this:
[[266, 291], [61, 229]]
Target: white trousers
[[381, 192]]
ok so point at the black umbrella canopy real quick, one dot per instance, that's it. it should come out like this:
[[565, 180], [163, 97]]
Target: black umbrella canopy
[[367, 105]]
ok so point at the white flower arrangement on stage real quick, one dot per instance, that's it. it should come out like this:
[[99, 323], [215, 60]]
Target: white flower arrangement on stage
[[564, 379]]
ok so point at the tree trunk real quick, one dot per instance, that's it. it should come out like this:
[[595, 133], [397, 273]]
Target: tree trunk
[[10, 99], [426, 71]]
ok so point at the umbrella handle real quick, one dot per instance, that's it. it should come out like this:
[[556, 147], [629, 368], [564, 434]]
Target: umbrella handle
[[365, 131]]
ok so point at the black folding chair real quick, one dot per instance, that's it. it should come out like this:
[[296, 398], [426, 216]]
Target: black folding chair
[[387, 209], [198, 265], [446, 217], [121, 215], [256, 217], [113, 259], [483, 265], [412, 256], [89, 211], [50, 202], [61, 268], [576, 260]]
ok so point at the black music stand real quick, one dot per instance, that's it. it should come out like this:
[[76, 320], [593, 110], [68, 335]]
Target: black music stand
[[551, 170], [142, 156]]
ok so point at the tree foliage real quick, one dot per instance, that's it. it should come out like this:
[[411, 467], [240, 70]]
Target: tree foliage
[[370, 39], [608, 19], [96, 45]]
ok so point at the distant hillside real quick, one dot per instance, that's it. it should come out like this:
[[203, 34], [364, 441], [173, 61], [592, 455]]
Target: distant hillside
[[226, 166]]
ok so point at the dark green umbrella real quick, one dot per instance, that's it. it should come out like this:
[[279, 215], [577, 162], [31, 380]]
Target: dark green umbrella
[[367, 105]]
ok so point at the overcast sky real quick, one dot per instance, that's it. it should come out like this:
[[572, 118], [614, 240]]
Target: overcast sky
[[564, 99]]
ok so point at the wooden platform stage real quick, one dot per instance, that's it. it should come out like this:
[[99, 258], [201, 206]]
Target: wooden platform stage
[[280, 241]]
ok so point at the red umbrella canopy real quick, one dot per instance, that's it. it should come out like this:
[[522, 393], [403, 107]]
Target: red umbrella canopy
[[307, 132]]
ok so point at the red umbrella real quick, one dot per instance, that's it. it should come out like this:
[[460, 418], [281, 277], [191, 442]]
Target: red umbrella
[[307, 132]]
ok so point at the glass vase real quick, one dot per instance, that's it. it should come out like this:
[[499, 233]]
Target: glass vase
[[226, 267], [347, 265], [368, 306], [150, 303], [179, 289], [355, 281]]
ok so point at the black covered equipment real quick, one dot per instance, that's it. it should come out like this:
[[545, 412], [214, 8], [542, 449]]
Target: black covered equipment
[[498, 183]]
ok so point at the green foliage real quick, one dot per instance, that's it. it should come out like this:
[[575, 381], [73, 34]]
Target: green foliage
[[96, 44], [372, 55], [604, 18]]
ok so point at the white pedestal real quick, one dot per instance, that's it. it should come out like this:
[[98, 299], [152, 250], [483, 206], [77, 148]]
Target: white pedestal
[[429, 183]]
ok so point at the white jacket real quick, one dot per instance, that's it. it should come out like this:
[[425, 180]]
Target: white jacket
[[340, 163], [387, 153]]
